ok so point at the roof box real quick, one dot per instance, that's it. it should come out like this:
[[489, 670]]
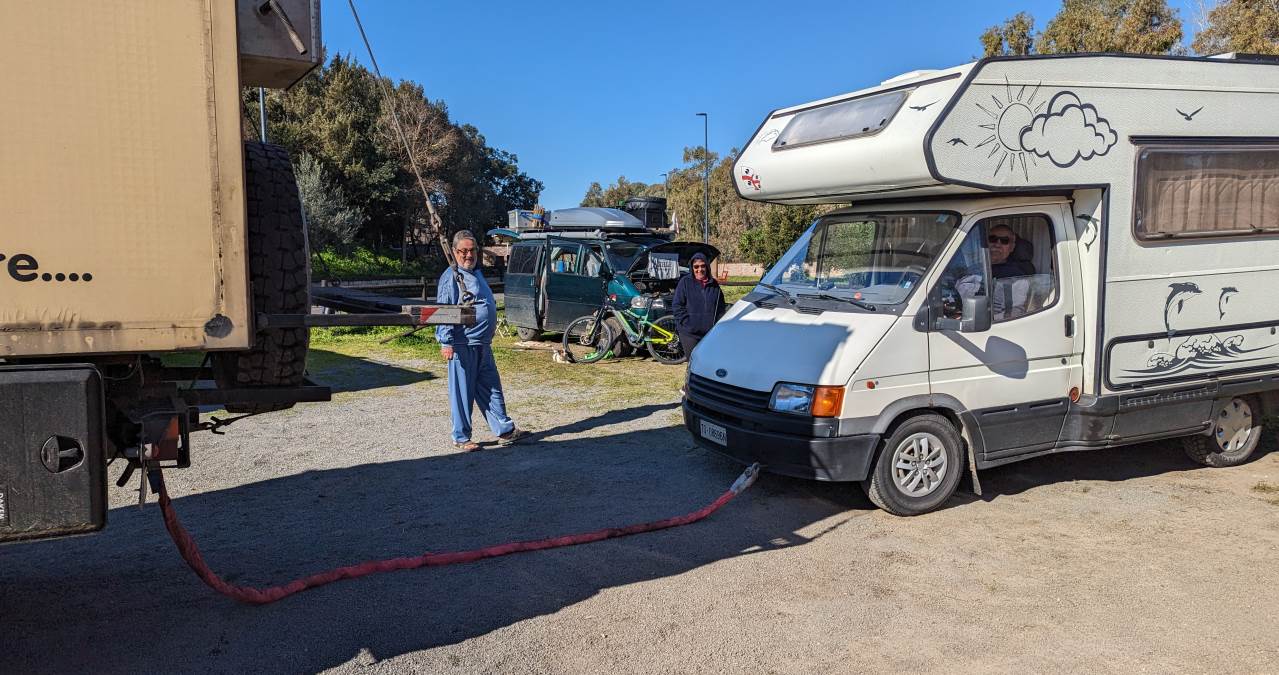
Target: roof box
[[591, 218]]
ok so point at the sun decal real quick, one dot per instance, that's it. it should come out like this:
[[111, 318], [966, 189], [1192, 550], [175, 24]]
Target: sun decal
[[1009, 118], [1064, 130]]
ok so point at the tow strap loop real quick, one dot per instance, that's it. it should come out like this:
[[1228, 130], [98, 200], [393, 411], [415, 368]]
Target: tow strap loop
[[261, 596]]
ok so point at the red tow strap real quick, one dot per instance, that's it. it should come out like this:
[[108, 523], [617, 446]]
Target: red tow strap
[[261, 596]]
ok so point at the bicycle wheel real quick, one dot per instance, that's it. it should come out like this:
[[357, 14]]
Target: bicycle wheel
[[663, 342], [587, 341]]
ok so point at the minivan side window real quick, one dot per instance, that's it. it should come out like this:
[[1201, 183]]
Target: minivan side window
[[564, 258], [523, 259]]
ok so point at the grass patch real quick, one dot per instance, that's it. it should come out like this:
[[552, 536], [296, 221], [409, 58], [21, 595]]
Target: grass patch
[[363, 263], [610, 382], [1268, 491], [734, 293]]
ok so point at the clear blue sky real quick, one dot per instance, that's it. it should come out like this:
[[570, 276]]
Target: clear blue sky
[[589, 91]]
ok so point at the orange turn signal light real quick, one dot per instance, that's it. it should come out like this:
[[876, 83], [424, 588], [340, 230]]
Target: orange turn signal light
[[827, 401]]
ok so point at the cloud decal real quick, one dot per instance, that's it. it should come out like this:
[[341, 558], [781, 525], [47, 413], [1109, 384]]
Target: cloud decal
[[1069, 131]]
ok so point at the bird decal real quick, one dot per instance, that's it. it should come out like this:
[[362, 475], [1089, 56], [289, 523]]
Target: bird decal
[[1180, 293], [1226, 292], [957, 141], [926, 106], [1189, 116]]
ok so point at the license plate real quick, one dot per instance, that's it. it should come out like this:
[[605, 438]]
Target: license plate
[[714, 433]]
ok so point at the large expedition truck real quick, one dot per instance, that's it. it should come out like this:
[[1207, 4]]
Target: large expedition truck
[[135, 223], [1042, 255]]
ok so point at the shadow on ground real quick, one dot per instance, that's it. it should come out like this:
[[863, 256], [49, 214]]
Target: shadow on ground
[[69, 605], [343, 373]]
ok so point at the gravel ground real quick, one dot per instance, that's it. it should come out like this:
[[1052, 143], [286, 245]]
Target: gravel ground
[[1135, 560]]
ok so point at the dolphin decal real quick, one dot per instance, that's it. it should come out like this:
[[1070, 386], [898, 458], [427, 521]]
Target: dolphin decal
[[1180, 293], [1224, 298]]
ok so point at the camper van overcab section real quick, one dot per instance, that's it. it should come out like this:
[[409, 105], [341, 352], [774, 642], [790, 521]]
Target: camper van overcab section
[[1041, 255]]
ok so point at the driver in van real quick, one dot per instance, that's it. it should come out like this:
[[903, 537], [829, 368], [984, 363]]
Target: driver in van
[[1002, 241], [698, 303]]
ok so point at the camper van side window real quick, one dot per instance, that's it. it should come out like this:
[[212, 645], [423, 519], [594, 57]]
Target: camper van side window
[[838, 121], [1206, 190]]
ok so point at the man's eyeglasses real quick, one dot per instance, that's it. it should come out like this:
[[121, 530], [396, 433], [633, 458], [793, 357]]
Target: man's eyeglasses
[[996, 239], [464, 251]]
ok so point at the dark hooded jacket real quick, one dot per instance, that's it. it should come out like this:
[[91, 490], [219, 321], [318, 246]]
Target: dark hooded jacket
[[697, 306]]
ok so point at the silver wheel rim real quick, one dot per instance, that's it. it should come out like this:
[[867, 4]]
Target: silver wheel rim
[[919, 464], [1233, 426]]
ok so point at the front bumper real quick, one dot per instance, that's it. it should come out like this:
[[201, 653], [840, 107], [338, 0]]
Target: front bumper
[[839, 458]]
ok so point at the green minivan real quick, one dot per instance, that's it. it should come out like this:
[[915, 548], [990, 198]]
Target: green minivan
[[554, 278]]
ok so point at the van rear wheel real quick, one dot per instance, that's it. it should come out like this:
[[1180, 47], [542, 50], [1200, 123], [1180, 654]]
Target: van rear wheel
[[1235, 435], [918, 468], [528, 334]]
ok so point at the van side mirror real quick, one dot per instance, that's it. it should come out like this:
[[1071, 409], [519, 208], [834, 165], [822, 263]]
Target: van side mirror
[[976, 317]]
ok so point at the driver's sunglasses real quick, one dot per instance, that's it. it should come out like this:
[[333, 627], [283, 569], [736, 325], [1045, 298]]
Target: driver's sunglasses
[[699, 267], [996, 239]]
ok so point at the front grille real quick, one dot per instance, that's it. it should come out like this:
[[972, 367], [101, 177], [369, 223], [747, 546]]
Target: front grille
[[705, 389]]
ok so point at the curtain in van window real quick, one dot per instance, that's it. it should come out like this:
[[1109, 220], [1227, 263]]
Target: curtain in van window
[[1207, 190]]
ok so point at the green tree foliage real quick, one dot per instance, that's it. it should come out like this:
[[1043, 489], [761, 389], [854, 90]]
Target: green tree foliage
[[1116, 26], [742, 230], [332, 222], [1127, 26], [617, 193], [1249, 26], [1014, 37], [339, 117]]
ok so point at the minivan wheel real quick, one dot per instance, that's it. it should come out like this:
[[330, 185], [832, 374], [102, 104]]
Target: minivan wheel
[[1235, 435], [919, 467], [528, 334]]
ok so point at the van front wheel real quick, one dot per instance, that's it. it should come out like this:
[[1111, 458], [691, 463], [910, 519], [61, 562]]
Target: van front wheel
[[919, 467]]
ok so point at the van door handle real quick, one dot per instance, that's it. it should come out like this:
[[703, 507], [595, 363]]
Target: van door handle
[[1070, 325]]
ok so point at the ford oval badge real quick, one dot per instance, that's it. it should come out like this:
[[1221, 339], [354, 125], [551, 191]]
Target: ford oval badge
[[721, 373]]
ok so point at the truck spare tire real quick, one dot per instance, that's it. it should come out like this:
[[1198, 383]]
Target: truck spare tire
[[279, 278]]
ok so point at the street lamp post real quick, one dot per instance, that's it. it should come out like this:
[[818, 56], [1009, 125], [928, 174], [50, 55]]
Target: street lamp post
[[666, 194], [706, 178]]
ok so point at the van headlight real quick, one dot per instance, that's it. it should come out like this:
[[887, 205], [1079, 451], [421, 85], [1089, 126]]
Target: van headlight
[[640, 302], [806, 399]]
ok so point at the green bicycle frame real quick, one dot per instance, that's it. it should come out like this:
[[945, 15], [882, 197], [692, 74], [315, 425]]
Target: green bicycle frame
[[652, 332]]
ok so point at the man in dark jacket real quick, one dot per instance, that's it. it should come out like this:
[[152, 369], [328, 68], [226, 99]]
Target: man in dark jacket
[[698, 303]]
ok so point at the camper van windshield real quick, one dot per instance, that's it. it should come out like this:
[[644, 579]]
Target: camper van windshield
[[875, 259]]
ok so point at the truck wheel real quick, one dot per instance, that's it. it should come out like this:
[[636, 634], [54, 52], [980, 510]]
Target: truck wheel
[[279, 277], [919, 467], [1235, 435], [528, 334]]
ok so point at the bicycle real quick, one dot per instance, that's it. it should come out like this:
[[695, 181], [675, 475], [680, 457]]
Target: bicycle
[[590, 338]]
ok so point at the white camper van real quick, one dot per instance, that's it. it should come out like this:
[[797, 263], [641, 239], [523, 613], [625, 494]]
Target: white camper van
[[1042, 254]]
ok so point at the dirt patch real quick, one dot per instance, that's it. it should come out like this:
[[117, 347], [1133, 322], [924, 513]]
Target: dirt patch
[[1120, 561]]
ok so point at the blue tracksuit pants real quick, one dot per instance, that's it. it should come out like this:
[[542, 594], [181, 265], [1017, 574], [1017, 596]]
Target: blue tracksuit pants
[[473, 380]]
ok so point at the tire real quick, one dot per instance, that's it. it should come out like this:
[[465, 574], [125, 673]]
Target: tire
[[528, 334], [279, 279], [1235, 435], [586, 341], [900, 482], [671, 353], [621, 345]]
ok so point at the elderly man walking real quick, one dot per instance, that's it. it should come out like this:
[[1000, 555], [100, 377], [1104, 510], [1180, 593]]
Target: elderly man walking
[[473, 378]]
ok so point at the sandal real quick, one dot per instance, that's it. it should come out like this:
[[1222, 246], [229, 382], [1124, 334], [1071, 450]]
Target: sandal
[[466, 446], [511, 437]]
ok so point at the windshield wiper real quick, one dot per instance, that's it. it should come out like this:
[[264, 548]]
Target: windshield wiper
[[784, 293], [826, 296]]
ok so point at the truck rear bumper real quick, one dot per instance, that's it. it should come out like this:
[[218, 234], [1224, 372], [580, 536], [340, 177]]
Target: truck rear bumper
[[841, 458]]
